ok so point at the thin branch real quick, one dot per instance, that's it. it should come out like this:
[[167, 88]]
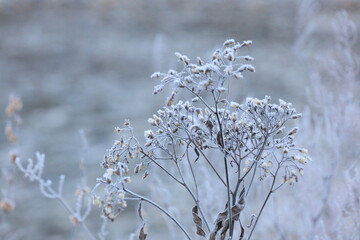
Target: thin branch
[[161, 209], [263, 206], [162, 168]]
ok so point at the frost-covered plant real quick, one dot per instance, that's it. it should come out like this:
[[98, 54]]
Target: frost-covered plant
[[241, 144], [33, 170]]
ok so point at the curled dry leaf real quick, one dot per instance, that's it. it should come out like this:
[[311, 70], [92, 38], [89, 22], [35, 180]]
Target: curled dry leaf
[[220, 139], [236, 209], [146, 173], [210, 126], [139, 212], [242, 232], [142, 234], [198, 222], [219, 222], [222, 220], [197, 154]]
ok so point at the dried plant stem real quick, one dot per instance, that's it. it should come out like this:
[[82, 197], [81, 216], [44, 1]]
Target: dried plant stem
[[196, 200], [228, 191], [229, 199], [161, 209], [183, 183], [205, 157], [34, 174], [201, 99], [192, 172], [265, 202], [209, 162], [161, 167], [256, 161], [66, 206], [197, 193], [81, 222]]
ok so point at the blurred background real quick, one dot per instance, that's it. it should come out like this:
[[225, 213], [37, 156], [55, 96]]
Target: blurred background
[[85, 65]]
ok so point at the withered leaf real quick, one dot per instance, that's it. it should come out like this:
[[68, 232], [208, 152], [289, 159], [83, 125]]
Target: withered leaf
[[218, 224], [139, 212], [242, 232], [198, 222], [197, 154], [225, 229], [242, 196], [235, 210], [146, 173], [241, 201], [220, 139], [209, 125], [142, 234]]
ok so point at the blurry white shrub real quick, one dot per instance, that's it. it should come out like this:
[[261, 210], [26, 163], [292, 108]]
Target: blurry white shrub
[[331, 130], [333, 96]]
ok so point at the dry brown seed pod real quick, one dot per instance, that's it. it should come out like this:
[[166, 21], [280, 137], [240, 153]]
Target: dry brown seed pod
[[7, 205]]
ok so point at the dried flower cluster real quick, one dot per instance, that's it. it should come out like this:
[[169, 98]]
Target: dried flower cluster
[[7, 205], [7, 176], [12, 108], [250, 138]]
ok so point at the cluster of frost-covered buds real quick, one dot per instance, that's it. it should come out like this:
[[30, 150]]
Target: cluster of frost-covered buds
[[265, 123], [246, 128], [200, 76], [112, 203], [117, 172]]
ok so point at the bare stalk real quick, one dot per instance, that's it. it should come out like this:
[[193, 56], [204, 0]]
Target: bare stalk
[[226, 168], [264, 204], [161, 209]]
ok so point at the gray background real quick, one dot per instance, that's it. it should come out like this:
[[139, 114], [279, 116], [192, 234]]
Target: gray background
[[86, 65]]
